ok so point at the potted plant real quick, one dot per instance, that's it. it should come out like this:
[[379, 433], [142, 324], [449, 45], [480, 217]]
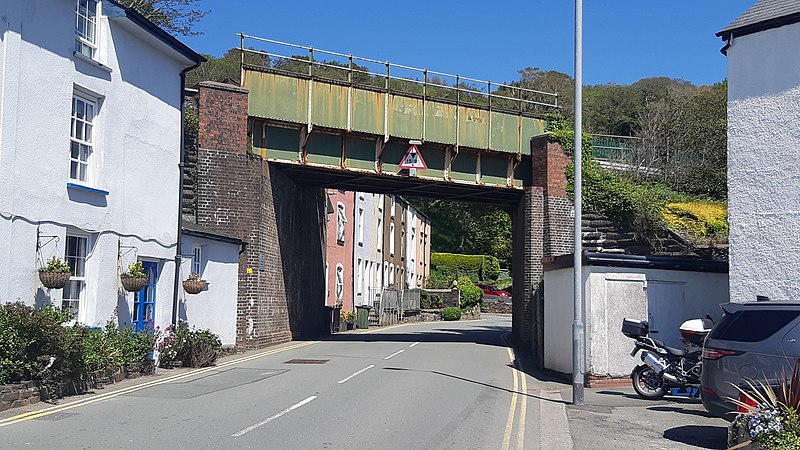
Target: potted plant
[[347, 321], [193, 284], [55, 275], [134, 279], [769, 418]]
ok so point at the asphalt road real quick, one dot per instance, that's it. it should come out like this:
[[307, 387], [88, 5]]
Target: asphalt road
[[440, 385]]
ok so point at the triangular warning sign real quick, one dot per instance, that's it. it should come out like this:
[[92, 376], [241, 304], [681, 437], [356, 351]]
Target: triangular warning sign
[[413, 159]]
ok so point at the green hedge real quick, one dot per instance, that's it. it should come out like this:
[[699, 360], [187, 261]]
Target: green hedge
[[476, 267], [470, 294], [451, 313]]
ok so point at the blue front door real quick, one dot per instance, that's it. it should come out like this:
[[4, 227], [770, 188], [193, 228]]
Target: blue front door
[[144, 303]]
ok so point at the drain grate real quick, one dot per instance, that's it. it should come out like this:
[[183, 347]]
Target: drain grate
[[307, 361]]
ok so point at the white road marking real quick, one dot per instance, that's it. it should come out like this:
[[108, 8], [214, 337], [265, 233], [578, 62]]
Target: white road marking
[[357, 373], [414, 344], [271, 418], [394, 354]]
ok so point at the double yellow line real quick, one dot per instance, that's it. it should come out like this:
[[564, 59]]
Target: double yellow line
[[99, 398], [519, 379]]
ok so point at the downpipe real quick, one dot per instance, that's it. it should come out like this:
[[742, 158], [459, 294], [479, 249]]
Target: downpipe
[[659, 365]]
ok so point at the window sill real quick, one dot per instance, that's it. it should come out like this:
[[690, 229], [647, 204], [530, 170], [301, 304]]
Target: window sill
[[81, 187], [92, 62]]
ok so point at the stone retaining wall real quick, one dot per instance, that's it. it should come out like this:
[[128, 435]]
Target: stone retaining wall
[[31, 392]]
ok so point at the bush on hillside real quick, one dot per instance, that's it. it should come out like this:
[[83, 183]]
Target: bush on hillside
[[451, 313], [470, 294], [700, 219]]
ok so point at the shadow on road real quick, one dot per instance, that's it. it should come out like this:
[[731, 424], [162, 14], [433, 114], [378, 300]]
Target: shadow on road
[[484, 335], [500, 388], [691, 412], [699, 436]]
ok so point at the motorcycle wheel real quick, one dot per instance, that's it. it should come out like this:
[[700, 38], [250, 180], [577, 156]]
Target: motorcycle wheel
[[647, 383]]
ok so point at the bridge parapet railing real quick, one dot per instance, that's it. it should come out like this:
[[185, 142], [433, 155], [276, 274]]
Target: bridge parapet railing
[[371, 73]]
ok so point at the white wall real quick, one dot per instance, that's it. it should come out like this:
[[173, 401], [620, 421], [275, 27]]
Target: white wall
[[612, 294], [215, 307], [763, 150], [137, 144]]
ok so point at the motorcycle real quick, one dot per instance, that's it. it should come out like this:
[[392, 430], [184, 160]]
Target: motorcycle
[[667, 369]]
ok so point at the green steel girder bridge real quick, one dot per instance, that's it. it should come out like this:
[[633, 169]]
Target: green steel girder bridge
[[345, 121]]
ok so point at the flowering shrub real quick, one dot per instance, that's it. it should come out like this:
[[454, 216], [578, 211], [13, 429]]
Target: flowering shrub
[[55, 265], [697, 218], [191, 347], [135, 270]]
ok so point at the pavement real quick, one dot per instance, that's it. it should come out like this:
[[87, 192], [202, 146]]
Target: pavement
[[435, 385]]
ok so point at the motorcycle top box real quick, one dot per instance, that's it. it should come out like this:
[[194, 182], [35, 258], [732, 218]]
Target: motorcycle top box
[[695, 331], [635, 328]]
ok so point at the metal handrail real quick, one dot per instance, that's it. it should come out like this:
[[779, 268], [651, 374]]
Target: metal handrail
[[387, 76]]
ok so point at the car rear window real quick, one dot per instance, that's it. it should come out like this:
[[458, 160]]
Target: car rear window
[[752, 326]]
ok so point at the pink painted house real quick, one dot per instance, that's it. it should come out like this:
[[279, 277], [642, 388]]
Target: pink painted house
[[339, 249]]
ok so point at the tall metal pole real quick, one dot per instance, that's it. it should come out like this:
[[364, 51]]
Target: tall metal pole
[[578, 348]]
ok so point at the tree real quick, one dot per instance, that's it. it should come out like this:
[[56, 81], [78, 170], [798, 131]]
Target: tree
[[175, 16]]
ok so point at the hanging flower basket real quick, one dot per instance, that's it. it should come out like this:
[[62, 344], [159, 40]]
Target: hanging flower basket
[[55, 275], [134, 280], [134, 284], [54, 280], [193, 284]]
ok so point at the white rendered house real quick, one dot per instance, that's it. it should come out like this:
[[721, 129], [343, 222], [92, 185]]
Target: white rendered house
[[764, 150], [90, 146]]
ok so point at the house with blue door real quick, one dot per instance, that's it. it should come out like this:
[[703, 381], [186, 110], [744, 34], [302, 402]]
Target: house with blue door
[[90, 147]]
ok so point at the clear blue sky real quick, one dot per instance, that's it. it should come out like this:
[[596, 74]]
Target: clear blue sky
[[624, 40]]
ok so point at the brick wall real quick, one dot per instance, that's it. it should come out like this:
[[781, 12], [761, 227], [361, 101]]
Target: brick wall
[[238, 193], [542, 227]]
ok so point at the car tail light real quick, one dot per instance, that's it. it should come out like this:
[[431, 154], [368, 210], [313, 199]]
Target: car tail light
[[708, 390], [717, 353], [747, 401]]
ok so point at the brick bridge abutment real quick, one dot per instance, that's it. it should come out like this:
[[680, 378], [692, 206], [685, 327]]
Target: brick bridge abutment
[[281, 270]]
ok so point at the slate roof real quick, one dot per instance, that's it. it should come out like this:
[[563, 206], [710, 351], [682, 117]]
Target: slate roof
[[762, 16]]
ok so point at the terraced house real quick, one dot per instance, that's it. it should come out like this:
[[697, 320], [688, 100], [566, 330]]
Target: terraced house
[[90, 146]]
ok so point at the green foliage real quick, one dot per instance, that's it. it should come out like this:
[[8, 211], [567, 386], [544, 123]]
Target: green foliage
[[440, 278], [700, 219], [347, 316], [451, 313], [36, 344], [610, 194], [477, 267], [55, 265], [468, 228], [191, 347], [135, 270], [175, 16], [471, 295], [430, 301]]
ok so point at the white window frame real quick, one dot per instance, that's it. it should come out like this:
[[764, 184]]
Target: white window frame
[[391, 238], [86, 41], [359, 277], [391, 274], [360, 224], [339, 282], [327, 283], [197, 260], [380, 233], [82, 140], [78, 274], [341, 220], [392, 203]]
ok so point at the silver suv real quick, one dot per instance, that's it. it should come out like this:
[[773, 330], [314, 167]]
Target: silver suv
[[753, 341]]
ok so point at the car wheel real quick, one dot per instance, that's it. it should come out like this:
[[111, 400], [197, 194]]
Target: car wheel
[[647, 383]]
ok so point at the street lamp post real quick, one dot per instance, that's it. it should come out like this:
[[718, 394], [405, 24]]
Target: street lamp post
[[578, 349]]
